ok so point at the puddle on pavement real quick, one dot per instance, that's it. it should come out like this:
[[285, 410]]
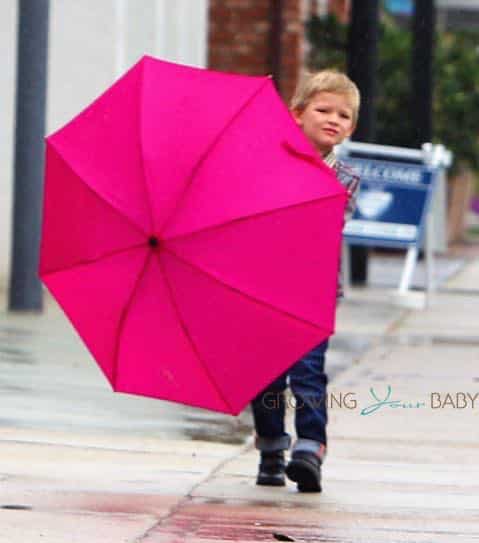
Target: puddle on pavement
[[13, 354], [216, 524], [16, 507], [418, 340], [350, 343], [10, 337], [231, 431], [9, 333], [8, 387]]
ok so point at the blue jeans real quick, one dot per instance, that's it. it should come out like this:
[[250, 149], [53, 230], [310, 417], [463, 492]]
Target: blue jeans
[[308, 383]]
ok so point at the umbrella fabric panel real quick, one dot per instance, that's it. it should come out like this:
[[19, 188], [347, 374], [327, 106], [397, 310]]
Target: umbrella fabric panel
[[179, 208], [250, 170], [259, 256], [156, 356], [79, 227], [245, 344], [95, 297], [184, 112], [102, 145]]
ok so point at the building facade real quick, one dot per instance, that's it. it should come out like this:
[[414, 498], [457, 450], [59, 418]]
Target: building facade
[[90, 44]]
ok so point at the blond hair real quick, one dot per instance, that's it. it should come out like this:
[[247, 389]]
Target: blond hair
[[326, 81]]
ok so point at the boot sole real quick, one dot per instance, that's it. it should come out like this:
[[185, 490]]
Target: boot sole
[[305, 475], [270, 481]]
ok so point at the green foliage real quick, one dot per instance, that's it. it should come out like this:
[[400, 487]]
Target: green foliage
[[394, 125], [456, 92], [328, 39], [456, 104]]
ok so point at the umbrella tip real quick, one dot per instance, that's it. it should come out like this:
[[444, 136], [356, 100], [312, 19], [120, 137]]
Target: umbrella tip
[[153, 241]]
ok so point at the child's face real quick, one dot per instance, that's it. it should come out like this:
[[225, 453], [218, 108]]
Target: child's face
[[326, 120]]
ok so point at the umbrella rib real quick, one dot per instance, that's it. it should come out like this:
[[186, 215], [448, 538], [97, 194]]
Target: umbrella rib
[[149, 204], [124, 313], [251, 216], [189, 337], [237, 291], [86, 262], [212, 145]]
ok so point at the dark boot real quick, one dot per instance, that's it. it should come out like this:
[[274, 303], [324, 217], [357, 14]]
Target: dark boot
[[271, 469], [305, 470]]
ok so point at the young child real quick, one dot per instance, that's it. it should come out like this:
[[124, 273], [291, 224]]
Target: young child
[[325, 106]]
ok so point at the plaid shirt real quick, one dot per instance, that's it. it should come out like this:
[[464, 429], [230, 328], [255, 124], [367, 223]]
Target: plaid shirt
[[347, 177]]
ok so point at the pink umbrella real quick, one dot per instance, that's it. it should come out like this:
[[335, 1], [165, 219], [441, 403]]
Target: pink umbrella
[[191, 234]]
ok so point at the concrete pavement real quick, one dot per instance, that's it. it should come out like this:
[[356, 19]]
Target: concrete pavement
[[78, 463]]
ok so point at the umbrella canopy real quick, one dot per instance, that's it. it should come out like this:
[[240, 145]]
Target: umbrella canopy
[[191, 234]]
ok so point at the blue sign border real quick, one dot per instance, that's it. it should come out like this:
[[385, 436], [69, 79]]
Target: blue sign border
[[399, 178]]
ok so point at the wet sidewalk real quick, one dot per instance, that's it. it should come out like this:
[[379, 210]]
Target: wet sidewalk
[[78, 463]]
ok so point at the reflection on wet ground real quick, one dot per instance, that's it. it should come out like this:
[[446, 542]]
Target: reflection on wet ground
[[15, 507], [87, 404], [217, 520], [19, 356], [10, 332], [355, 345], [12, 345], [211, 427], [417, 340]]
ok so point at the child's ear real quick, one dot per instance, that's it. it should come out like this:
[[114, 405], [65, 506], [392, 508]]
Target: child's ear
[[297, 116], [352, 129]]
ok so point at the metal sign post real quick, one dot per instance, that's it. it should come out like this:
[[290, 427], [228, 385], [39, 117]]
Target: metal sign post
[[394, 205]]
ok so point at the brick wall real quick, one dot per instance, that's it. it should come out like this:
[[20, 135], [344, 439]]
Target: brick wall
[[240, 39], [341, 8]]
